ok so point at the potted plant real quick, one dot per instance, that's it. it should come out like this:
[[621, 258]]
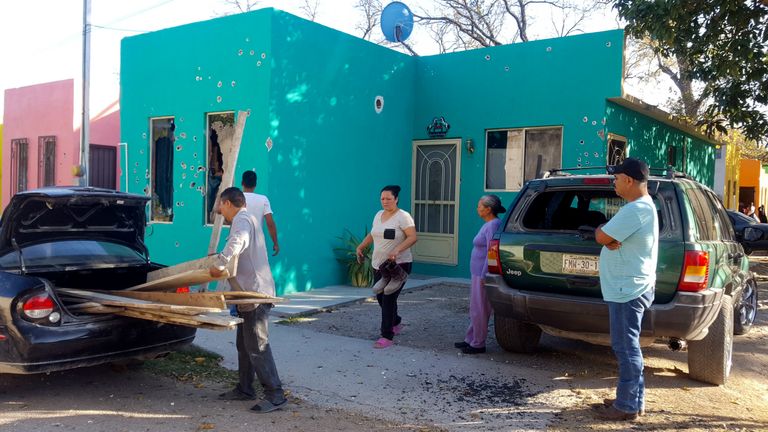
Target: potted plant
[[360, 272]]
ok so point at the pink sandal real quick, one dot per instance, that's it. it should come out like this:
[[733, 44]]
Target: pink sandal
[[383, 343], [397, 329]]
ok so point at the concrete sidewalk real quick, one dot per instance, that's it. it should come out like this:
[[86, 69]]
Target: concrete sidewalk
[[400, 384], [306, 303]]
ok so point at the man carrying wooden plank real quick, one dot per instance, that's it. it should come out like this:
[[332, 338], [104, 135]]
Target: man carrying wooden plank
[[254, 355]]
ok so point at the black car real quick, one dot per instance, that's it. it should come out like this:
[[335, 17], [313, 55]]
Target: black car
[[752, 239], [75, 237]]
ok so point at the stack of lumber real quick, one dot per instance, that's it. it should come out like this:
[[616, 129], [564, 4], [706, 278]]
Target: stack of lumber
[[186, 274], [207, 310]]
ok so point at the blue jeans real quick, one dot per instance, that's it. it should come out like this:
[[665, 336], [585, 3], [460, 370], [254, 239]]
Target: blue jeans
[[625, 320]]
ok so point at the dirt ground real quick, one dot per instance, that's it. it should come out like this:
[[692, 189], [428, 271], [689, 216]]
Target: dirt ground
[[436, 317], [119, 399]]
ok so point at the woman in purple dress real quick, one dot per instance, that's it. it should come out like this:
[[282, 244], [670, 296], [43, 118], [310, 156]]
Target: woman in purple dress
[[488, 208]]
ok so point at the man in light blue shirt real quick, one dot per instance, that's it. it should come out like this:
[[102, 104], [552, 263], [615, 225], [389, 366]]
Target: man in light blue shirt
[[627, 279]]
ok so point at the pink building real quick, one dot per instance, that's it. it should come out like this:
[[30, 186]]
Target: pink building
[[41, 139]]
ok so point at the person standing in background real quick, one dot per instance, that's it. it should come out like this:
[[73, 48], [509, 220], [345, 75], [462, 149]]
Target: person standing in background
[[258, 206], [488, 208]]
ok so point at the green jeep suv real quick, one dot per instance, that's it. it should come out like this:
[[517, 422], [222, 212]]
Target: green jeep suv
[[543, 268]]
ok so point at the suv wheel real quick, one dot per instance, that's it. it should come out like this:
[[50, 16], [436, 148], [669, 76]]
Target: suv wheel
[[746, 309], [709, 359], [515, 335]]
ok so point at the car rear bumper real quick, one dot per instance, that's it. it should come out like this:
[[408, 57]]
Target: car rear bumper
[[36, 349], [686, 316]]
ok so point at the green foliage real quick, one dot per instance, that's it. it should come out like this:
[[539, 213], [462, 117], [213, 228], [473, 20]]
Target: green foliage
[[720, 43], [360, 273], [192, 364]]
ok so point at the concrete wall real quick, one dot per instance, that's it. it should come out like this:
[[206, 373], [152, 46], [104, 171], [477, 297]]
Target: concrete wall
[[554, 82], [310, 90], [35, 111], [649, 139]]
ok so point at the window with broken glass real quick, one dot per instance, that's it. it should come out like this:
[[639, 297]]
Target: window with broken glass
[[221, 129], [514, 156], [162, 140], [46, 151]]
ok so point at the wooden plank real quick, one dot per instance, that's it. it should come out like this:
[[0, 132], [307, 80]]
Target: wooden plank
[[185, 279], [112, 300], [180, 299], [185, 320], [199, 264], [93, 307], [244, 294], [253, 301]]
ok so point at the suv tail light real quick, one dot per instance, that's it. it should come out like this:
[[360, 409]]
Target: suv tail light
[[494, 263], [39, 306], [695, 271]]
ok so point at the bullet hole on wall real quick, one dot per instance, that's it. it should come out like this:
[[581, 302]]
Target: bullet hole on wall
[[178, 148], [253, 52], [594, 123], [240, 52], [183, 165], [141, 151], [218, 99], [194, 155], [581, 142], [263, 55], [487, 56], [200, 168], [258, 63], [144, 135], [183, 135], [192, 185], [234, 83], [608, 44], [506, 68], [378, 104], [549, 49]]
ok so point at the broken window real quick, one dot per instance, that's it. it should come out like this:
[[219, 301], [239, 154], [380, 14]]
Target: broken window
[[162, 141], [46, 153], [18, 165], [617, 149], [514, 156], [221, 129]]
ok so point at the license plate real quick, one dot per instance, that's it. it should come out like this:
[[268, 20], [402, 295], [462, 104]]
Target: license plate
[[580, 264]]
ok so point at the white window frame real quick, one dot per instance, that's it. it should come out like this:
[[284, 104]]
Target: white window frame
[[151, 154], [522, 173], [207, 160]]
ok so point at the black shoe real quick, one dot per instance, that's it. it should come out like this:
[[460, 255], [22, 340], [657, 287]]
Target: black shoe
[[236, 395], [472, 350], [265, 406], [461, 345]]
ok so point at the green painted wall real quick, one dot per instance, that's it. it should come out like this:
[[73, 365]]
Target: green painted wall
[[308, 88], [557, 82], [650, 140]]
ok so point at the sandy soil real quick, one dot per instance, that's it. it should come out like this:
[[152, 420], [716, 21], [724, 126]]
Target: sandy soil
[[436, 317]]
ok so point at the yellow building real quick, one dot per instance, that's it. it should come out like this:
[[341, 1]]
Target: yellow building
[[752, 184], [730, 186]]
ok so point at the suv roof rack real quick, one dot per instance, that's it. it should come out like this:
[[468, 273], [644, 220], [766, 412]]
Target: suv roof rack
[[668, 172]]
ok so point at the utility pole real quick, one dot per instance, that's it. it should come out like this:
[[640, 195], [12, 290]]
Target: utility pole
[[86, 118]]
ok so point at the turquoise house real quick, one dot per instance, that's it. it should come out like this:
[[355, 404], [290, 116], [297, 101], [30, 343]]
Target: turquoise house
[[333, 118]]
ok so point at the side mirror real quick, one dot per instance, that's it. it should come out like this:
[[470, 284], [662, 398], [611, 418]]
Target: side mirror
[[752, 234]]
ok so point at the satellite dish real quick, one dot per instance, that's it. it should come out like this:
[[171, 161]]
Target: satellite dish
[[396, 22]]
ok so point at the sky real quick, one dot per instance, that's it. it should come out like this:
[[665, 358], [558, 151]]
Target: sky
[[41, 40]]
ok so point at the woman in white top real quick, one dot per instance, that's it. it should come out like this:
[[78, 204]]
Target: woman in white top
[[393, 232]]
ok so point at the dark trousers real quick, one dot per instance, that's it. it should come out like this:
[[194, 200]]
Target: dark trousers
[[254, 356], [388, 303]]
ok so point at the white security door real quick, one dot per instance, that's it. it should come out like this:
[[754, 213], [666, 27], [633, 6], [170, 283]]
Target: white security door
[[435, 200]]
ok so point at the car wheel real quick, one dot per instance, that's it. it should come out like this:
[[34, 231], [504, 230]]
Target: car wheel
[[515, 335], [746, 310], [709, 359]]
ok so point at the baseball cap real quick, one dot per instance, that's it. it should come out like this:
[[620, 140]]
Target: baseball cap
[[631, 167]]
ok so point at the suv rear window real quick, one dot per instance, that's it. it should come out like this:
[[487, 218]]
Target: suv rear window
[[571, 209]]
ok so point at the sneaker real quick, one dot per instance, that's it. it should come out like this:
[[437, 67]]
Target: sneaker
[[461, 345], [609, 402], [397, 329], [235, 394], [265, 406], [383, 343], [469, 349]]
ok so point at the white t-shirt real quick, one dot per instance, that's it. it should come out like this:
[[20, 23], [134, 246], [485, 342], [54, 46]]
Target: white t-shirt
[[381, 246], [257, 205]]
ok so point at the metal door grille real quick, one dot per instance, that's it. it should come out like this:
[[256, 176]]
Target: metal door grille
[[435, 190], [46, 153], [18, 165]]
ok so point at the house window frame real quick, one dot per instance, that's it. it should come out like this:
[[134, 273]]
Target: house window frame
[[524, 130], [151, 179], [615, 137], [207, 159]]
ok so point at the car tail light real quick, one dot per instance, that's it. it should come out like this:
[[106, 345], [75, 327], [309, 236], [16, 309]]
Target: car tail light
[[494, 263], [39, 306], [695, 271], [182, 290]]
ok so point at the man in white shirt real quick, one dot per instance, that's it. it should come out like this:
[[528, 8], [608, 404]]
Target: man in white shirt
[[258, 206]]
